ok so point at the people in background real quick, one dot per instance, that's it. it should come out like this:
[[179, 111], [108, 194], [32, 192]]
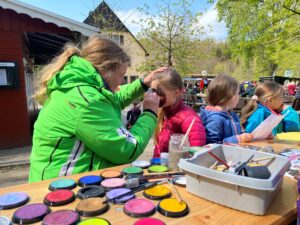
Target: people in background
[[296, 102], [174, 116], [133, 114], [222, 125], [267, 100], [79, 128], [291, 88]]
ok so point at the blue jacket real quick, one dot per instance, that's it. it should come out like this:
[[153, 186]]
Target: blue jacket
[[220, 126], [289, 123]]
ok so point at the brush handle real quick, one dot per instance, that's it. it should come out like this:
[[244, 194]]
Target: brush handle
[[187, 133]]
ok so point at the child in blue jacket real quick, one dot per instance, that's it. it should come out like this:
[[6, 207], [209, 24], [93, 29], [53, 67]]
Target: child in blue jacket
[[222, 125], [267, 100]]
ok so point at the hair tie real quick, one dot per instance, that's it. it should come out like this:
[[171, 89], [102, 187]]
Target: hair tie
[[254, 97]]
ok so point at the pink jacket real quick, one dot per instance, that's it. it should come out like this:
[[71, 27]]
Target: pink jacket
[[177, 120]]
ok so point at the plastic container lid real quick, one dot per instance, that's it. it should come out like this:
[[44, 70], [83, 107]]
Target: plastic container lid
[[157, 192], [180, 181], [158, 169], [149, 221], [30, 213], [62, 184], [94, 221], [117, 192], [139, 208], [89, 180], [59, 197], [65, 217], [132, 170], [155, 161], [171, 207], [90, 192], [13, 200], [4, 220], [141, 163], [113, 183], [106, 174], [92, 207]]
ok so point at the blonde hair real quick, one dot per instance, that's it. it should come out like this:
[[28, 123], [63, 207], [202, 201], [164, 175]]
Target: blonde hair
[[105, 55], [263, 92], [172, 81]]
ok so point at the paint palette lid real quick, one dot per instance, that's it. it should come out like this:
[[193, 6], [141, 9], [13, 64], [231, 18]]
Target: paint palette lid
[[30, 213], [90, 192], [141, 163], [132, 170], [157, 192], [89, 180], [94, 221], [149, 221], [106, 174], [139, 207], [59, 197], [92, 207], [113, 183], [117, 192], [65, 217], [171, 207], [155, 161], [4, 220], [158, 169], [62, 184], [180, 181], [13, 200]]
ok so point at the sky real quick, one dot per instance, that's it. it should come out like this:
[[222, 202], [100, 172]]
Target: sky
[[127, 11]]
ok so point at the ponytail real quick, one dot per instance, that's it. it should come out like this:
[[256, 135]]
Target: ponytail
[[160, 121], [248, 110]]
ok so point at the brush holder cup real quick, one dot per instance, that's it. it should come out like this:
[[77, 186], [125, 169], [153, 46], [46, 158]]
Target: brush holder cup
[[175, 153]]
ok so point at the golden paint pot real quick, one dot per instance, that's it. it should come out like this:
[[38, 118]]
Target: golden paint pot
[[157, 192], [171, 207]]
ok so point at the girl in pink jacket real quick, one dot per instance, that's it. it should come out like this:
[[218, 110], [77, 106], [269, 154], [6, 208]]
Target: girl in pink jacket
[[174, 116]]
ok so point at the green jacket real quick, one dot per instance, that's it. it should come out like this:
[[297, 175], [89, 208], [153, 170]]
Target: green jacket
[[79, 129]]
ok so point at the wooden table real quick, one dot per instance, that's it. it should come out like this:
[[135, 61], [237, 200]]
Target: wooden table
[[282, 210], [277, 145]]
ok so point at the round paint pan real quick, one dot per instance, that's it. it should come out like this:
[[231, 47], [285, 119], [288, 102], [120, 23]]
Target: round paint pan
[[59, 197], [30, 213], [90, 192], [89, 180], [117, 192], [94, 221], [171, 207], [65, 217], [13, 200], [112, 183], [139, 208], [155, 161], [92, 207], [158, 169], [107, 174], [62, 184], [157, 192], [149, 221], [141, 163], [4, 220], [180, 181], [132, 170]]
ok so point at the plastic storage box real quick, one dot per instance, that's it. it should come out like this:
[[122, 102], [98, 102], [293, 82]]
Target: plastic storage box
[[238, 192]]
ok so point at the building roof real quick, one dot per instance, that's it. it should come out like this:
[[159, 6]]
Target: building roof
[[48, 17], [104, 17]]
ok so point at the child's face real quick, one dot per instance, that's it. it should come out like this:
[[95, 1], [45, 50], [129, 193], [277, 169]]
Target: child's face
[[276, 103], [234, 100]]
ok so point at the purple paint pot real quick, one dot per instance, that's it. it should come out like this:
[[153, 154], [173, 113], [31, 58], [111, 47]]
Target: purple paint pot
[[65, 217], [117, 192], [13, 200], [30, 213]]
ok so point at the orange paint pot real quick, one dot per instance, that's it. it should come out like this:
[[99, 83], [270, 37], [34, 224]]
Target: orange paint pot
[[106, 174]]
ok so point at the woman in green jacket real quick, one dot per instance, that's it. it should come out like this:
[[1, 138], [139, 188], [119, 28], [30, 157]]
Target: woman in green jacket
[[79, 128]]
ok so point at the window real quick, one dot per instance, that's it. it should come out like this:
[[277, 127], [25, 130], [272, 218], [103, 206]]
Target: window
[[119, 39]]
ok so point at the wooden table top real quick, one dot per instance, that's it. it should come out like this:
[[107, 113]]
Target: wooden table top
[[277, 145]]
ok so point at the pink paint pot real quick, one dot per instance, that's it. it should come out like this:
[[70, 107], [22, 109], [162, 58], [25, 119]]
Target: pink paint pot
[[112, 183], [66, 217], [139, 208], [149, 221]]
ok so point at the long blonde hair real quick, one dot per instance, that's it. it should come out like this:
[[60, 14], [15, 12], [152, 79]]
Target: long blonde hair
[[263, 92], [105, 55], [172, 81]]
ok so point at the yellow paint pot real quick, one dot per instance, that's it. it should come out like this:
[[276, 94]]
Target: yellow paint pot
[[171, 207], [157, 192]]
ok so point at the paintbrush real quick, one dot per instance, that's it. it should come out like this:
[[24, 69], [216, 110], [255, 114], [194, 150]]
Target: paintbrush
[[161, 175], [217, 158], [264, 158], [177, 195], [187, 133]]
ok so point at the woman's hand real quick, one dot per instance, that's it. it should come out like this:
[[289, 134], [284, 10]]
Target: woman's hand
[[150, 77], [245, 137], [151, 101]]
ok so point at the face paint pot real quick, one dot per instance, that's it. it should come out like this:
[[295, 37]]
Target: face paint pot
[[92, 207], [90, 192], [13, 200], [180, 181], [107, 174], [62, 184], [157, 192], [4, 220], [94, 221], [141, 163], [65, 217], [132, 170], [155, 161], [117, 192], [139, 208], [112, 183], [89, 180], [149, 221], [171, 207], [158, 169], [30, 213], [59, 197]]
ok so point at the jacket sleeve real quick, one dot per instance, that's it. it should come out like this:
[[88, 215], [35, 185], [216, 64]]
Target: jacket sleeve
[[254, 120], [129, 92], [101, 130], [291, 120], [197, 136]]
